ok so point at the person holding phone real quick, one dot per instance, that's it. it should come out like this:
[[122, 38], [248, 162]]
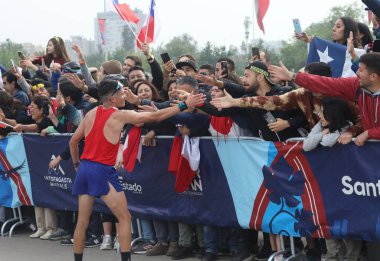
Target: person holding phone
[[55, 53], [11, 84]]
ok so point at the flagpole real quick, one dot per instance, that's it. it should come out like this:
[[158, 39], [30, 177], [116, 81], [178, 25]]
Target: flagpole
[[105, 31], [253, 21], [130, 28], [147, 22]]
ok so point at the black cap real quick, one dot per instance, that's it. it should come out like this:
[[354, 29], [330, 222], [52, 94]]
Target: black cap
[[262, 68], [71, 67], [187, 63]]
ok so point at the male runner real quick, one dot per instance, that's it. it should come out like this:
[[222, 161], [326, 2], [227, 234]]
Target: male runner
[[96, 175]]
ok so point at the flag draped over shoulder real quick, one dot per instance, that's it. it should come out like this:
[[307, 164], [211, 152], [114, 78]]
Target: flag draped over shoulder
[[336, 55], [148, 31], [125, 12], [261, 9]]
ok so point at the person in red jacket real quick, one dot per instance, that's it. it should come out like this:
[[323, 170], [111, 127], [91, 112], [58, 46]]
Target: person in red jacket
[[364, 89]]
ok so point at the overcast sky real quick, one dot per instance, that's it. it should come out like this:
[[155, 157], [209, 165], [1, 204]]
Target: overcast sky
[[217, 21]]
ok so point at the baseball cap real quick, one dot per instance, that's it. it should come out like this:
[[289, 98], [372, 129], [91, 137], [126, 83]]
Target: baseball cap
[[187, 63]]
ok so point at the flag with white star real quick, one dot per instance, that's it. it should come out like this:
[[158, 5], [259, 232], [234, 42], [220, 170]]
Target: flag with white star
[[336, 55]]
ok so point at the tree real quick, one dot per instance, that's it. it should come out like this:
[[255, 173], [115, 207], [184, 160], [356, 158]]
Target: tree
[[129, 41], [8, 51], [179, 45], [294, 53]]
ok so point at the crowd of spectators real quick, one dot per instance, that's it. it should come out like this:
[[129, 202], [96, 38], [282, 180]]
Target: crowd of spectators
[[52, 93]]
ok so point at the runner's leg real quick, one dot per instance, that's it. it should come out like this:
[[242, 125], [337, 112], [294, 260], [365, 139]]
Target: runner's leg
[[117, 203], [85, 209]]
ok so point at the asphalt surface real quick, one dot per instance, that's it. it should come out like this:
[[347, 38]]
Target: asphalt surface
[[22, 248]]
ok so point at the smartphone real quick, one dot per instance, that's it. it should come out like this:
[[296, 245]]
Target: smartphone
[[43, 63], [13, 64], [269, 117], [297, 26], [21, 55], [165, 57], [376, 46], [256, 52], [224, 65]]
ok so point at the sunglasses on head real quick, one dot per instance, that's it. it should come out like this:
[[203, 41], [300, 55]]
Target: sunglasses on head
[[118, 88], [38, 86]]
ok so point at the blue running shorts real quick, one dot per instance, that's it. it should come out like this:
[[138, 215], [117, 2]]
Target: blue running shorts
[[93, 179]]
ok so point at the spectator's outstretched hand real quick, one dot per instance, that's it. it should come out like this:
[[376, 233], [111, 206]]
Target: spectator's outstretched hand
[[210, 80], [351, 47], [193, 100], [279, 73], [147, 108], [79, 53], [225, 102], [130, 96], [76, 81], [182, 95]]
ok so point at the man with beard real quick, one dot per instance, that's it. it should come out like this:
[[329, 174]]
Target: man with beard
[[257, 82]]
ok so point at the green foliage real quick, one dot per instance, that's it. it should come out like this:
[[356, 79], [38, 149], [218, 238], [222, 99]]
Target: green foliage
[[8, 51], [179, 45], [129, 41]]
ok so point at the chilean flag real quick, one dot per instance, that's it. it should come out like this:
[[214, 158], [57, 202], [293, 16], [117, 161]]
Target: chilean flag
[[102, 28], [225, 126], [148, 31], [261, 9], [132, 149], [125, 12], [184, 162]]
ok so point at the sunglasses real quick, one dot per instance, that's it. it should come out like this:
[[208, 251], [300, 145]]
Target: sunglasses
[[118, 88], [38, 86]]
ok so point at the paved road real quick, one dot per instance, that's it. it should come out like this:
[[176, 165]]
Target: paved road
[[21, 248]]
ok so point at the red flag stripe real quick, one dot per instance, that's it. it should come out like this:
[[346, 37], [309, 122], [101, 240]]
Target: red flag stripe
[[261, 9], [16, 178]]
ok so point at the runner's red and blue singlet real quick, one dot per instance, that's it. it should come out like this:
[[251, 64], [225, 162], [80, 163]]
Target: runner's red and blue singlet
[[97, 148]]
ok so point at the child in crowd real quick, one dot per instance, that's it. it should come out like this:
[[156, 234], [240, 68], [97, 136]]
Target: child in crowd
[[335, 118]]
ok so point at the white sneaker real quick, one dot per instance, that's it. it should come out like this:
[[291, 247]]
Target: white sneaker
[[107, 243], [116, 244], [47, 235], [38, 233], [279, 258]]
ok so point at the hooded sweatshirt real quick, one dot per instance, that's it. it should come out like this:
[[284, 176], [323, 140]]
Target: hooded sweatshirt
[[348, 89]]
